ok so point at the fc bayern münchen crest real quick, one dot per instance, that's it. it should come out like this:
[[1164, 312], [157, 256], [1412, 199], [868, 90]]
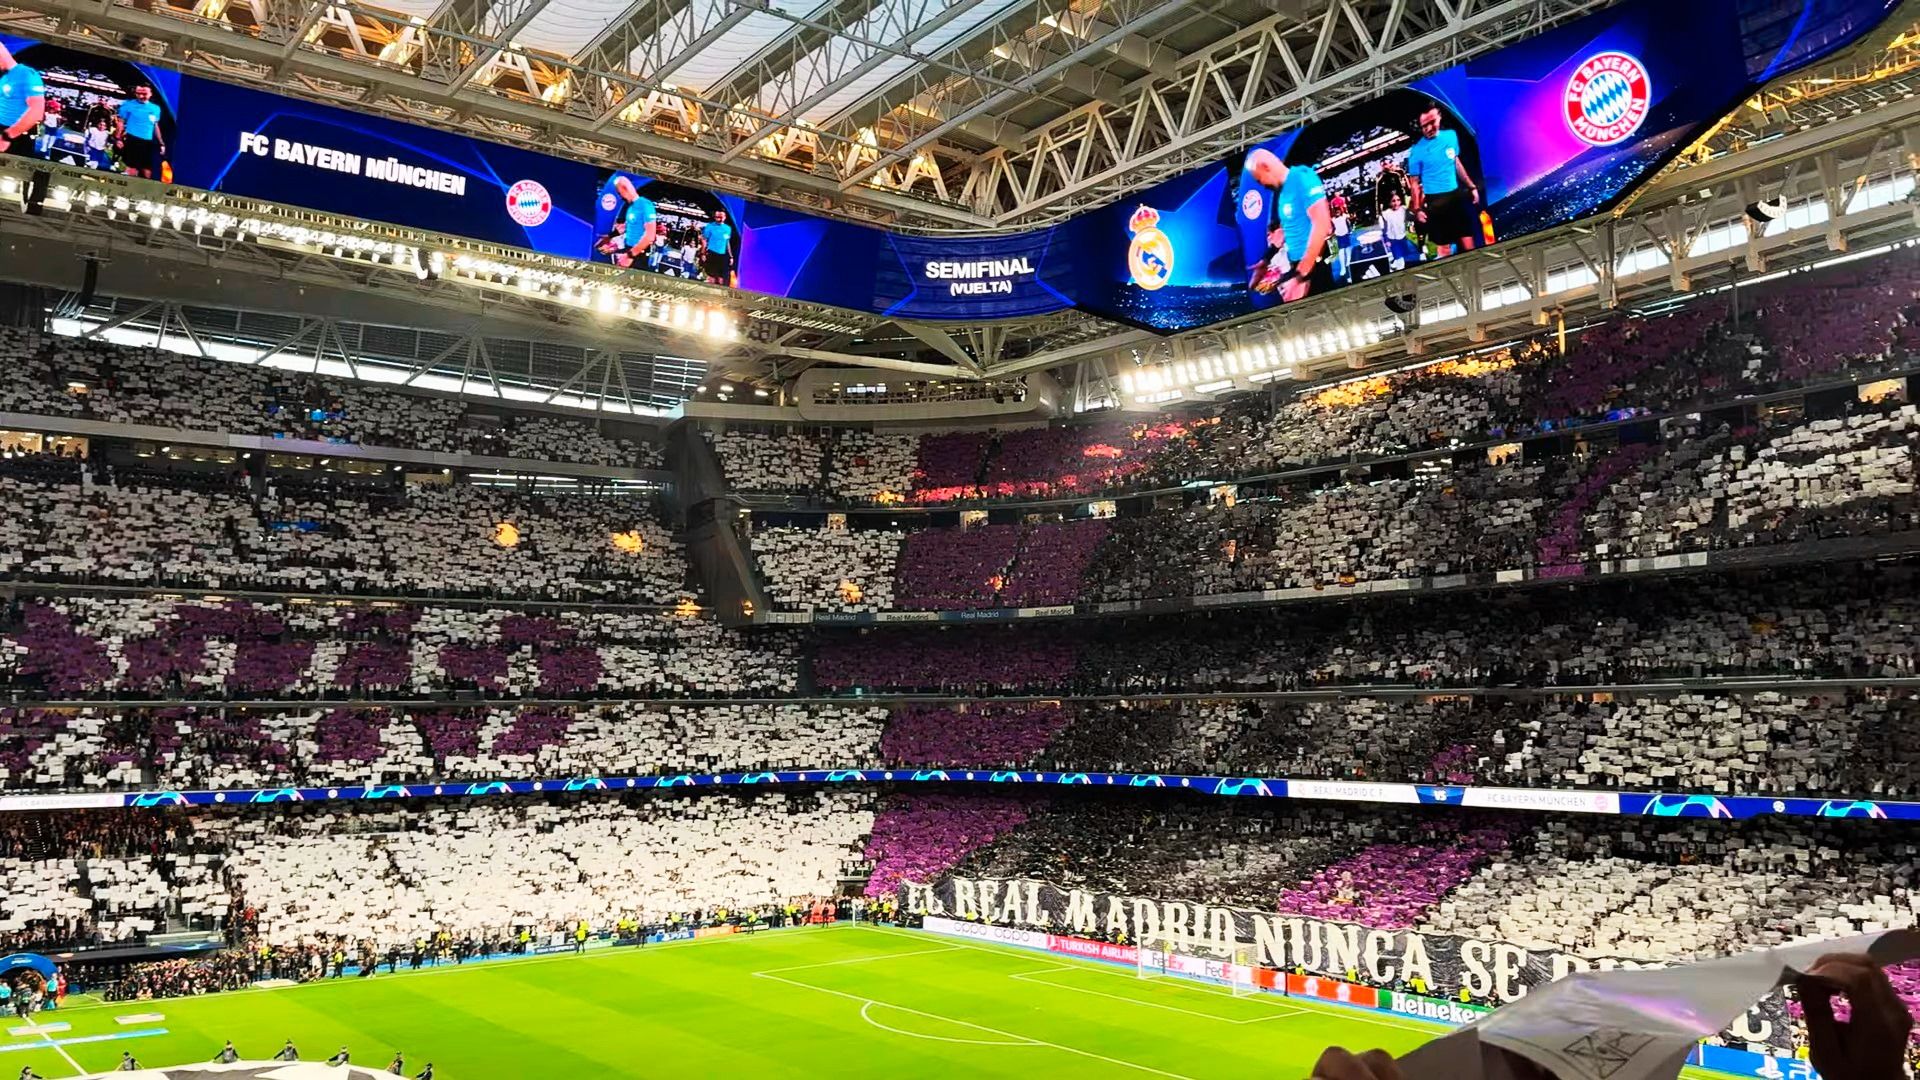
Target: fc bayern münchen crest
[[528, 203], [1608, 98]]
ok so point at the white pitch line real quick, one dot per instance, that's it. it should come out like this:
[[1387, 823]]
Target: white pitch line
[[861, 959], [864, 1000], [450, 969], [62, 1051], [1023, 1040], [1305, 1005], [1034, 977]]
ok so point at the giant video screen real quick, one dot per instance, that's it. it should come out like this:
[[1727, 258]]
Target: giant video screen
[[1546, 131]]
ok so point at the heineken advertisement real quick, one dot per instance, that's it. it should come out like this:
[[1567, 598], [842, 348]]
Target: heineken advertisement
[[1342, 962], [1437, 1010]]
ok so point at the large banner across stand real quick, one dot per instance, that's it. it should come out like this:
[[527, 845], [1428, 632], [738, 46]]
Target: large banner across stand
[[1345, 963], [1545, 131]]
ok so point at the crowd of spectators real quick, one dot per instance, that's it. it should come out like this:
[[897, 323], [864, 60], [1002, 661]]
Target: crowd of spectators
[[1836, 621], [158, 647], [49, 375], [101, 878], [87, 522], [1840, 744], [1847, 744], [195, 748], [1693, 490], [302, 892], [831, 569], [1655, 891], [792, 462], [1841, 322]]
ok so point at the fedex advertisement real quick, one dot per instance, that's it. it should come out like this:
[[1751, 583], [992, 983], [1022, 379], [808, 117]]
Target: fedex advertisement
[[1546, 131]]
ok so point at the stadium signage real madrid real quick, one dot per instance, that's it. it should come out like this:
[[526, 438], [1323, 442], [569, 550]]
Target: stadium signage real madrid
[[1328, 952]]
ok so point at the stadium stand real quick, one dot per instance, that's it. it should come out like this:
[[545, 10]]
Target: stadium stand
[[149, 647], [1693, 490], [202, 748], [58, 376], [828, 569], [1832, 622], [1649, 890], [871, 466], [212, 530], [389, 876], [755, 461], [1841, 322]]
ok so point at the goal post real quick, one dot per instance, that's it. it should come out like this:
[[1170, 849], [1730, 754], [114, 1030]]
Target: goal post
[[1234, 967], [1154, 958]]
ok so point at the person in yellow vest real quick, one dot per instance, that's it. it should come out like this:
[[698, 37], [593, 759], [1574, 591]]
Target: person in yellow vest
[[580, 937], [1419, 985], [1466, 996]]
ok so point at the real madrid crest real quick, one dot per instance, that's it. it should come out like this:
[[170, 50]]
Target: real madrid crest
[[1150, 257]]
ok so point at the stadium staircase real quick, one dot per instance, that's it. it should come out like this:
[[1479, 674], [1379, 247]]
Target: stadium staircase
[[718, 555]]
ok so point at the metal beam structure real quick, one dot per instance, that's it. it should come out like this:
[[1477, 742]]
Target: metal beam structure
[[1129, 17], [1824, 136], [1686, 234], [1279, 72], [879, 110], [842, 61]]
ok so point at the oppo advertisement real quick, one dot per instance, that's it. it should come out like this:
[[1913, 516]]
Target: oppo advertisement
[[1554, 128]]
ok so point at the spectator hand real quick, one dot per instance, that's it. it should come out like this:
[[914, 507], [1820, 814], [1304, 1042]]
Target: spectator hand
[[1870, 1045], [1337, 1064]]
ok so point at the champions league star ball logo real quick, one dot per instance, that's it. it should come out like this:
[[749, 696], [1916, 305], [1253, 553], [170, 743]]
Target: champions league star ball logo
[[1608, 98], [528, 203], [1841, 808], [1150, 257], [1687, 806]]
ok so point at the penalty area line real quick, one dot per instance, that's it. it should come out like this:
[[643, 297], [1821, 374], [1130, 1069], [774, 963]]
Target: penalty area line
[[1036, 977], [865, 1014], [861, 959], [1025, 1040]]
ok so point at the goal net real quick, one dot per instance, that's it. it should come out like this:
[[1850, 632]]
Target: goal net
[[1208, 962]]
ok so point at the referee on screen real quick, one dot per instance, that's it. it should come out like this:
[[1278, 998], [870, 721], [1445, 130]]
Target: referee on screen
[[1299, 225], [638, 224], [1446, 200], [23, 104], [141, 147]]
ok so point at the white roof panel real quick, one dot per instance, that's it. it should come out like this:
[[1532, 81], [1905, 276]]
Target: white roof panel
[[566, 26]]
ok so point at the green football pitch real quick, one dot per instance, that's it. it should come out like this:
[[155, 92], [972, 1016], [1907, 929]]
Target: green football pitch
[[850, 1001]]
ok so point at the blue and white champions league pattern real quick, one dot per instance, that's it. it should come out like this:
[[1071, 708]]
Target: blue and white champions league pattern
[[1563, 800]]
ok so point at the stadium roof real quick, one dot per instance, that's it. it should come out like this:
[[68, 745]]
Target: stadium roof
[[930, 114], [1834, 141]]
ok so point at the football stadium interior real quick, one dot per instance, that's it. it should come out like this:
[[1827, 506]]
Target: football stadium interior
[[918, 538]]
